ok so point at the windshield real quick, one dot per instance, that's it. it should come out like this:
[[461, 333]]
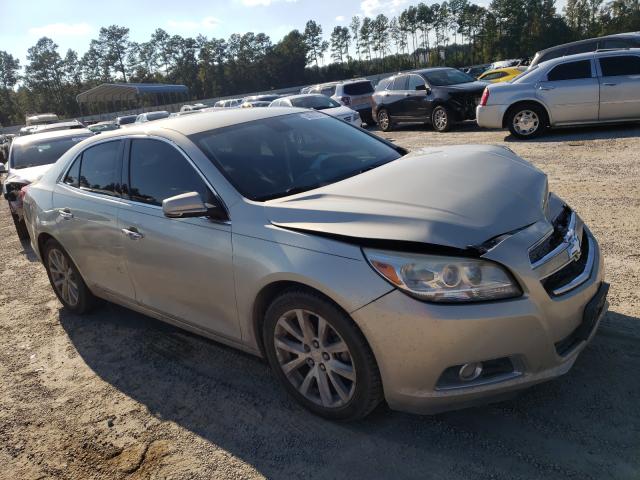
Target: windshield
[[449, 76], [291, 153], [44, 152], [317, 102]]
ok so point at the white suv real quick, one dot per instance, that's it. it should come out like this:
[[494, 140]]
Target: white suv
[[355, 94]]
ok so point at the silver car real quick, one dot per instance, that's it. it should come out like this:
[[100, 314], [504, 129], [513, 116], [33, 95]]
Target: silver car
[[433, 280], [590, 88]]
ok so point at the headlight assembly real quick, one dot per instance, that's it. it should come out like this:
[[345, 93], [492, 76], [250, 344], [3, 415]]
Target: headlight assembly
[[436, 278]]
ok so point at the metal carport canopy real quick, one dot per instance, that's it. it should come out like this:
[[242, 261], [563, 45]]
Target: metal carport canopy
[[127, 91]]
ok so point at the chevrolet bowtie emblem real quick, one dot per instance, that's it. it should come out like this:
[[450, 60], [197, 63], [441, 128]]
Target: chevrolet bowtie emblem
[[573, 249]]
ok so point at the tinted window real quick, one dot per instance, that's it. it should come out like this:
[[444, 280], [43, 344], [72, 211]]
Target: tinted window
[[400, 83], [99, 169], [44, 152], [570, 71], [73, 175], [358, 88], [582, 48], [157, 115], [328, 91], [620, 65], [620, 43], [448, 76], [415, 81], [560, 52], [279, 156], [382, 84], [158, 171]]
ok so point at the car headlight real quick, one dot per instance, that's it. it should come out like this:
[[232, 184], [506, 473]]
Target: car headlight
[[436, 278]]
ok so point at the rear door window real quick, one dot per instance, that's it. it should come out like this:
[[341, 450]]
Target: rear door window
[[158, 171], [400, 83], [415, 81], [100, 168], [620, 65], [358, 88], [570, 71]]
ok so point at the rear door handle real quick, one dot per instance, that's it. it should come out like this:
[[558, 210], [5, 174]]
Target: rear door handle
[[609, 84], [65, 213], [132, 233]]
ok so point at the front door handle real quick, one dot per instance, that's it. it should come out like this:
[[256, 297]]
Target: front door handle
[[132, 233], [542, 87], [609, 84], [65, 213]]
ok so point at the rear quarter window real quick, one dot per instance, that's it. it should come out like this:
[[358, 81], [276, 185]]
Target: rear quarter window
[[359, 88]]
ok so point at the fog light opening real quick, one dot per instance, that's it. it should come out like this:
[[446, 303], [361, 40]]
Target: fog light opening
[[470, 371]]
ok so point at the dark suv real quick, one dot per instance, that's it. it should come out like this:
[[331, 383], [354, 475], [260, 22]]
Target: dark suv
[[438, 96], [609, 42]]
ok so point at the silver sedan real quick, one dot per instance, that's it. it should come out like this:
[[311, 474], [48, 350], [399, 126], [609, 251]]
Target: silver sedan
[[590, 88], [361, 272]]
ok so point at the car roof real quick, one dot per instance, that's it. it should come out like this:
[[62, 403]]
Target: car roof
[[37, 137], [302, 95], [586, 40], [589, 55], [192, 124]]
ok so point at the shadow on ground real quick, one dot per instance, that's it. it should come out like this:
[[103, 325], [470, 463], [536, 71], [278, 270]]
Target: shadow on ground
[[584, 424]]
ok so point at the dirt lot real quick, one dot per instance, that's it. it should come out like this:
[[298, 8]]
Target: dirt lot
[[118, 395]]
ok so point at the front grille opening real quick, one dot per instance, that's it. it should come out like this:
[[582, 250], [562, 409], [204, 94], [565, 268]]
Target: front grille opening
[[560, 225], [571, 271], [491, 370]]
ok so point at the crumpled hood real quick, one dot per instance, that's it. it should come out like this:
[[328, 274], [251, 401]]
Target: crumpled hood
[[457, 196], [470, 87], [27, 175]]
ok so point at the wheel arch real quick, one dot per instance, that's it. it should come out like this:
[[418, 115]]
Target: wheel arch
[[521, 103]]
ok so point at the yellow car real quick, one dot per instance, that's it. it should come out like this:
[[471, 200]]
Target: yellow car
[[501, 74]]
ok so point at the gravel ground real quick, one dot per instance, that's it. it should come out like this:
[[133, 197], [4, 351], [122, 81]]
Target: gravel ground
[[118, 395]]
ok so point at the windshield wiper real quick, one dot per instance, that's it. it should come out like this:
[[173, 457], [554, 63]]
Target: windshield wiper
[[287, 192]]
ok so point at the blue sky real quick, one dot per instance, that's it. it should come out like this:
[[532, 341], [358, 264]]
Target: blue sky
[[73, 23]]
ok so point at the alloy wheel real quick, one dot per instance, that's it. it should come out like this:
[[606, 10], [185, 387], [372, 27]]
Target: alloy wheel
[[315, 358], [63, 277], [526, 122], [440, 119], [383, 120]]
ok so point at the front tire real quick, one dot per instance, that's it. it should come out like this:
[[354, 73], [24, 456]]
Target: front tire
[[441, 119], [65, 279], [321, 357], [527, 121], [384, 120], [21, 227]]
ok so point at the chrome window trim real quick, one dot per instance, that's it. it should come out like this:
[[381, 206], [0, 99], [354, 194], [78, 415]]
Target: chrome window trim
[[60, 180]]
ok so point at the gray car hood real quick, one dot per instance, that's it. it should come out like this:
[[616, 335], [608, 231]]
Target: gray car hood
[[452, 196]]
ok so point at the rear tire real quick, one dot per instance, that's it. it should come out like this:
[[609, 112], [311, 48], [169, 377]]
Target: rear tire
[[330, 369], [384, 120], [21, 227], [527, 120], [65, 279]]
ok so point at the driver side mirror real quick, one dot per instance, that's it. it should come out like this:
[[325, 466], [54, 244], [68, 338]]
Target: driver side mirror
[[185, 205], [423, 88]]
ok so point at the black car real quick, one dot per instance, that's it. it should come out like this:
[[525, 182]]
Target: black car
[[438, 96]]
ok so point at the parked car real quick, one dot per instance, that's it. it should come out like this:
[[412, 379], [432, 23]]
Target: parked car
[[255, 104], [501, 74], [29, 158], [434, 279], [103, 127], [437, 96], [512, 62], [151, 116], [609, 42], [229, 103], [260, 98], [355, 94], [40, 119], [126, 120], [317, 101], [589, 88], [476, 70], [190, 108]]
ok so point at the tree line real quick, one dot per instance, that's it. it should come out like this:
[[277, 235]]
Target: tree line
[[453, 33]]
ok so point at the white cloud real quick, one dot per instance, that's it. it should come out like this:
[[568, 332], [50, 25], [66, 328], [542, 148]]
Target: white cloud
[[62, 30], [371, 8], [206, 23], [340, 18]]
